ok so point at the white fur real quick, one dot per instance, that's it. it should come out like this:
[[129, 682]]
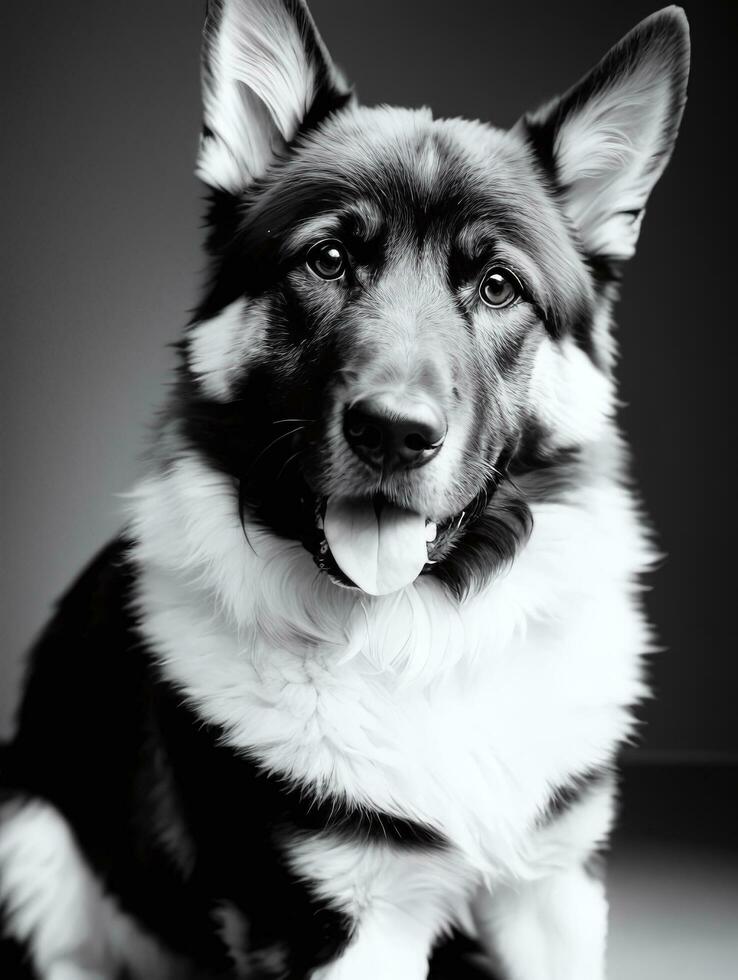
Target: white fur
[[233, 931], [222, 347], [258, 87], [611, 151], [401, 901], [56, 906], [569, 395], [554, 928]]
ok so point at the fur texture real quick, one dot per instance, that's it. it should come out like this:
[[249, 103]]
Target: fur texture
[[230, 760]]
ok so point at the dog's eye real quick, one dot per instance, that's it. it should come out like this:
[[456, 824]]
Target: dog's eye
[[499, 287], [327, 259]]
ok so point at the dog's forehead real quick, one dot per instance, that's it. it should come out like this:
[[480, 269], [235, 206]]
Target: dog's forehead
[[399, 174], [449, 186], [399, 157]]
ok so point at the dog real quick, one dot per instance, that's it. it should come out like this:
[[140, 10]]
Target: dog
[[344, 698]]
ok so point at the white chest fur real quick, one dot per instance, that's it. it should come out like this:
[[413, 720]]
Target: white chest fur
[[463, 717]]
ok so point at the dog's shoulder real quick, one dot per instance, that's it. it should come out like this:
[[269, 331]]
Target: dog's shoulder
[[82, 653]]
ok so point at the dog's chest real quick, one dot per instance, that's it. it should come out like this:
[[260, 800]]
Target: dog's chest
[[462, 716], [474, 752]]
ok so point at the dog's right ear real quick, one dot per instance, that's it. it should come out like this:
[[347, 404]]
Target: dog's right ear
[[266, 75]]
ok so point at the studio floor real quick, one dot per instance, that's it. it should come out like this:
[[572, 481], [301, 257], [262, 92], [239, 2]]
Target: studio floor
[[673, 874]]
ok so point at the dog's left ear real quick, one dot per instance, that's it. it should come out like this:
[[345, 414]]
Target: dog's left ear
[[607, 141], [266, 74]]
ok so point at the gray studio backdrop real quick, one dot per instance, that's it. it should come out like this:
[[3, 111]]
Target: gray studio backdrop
[[100, 232]]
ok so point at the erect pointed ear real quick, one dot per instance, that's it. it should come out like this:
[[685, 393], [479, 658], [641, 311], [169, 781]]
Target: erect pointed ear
[[607, 140], [266, 73]]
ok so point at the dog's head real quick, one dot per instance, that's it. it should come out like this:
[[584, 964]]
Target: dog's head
[[406, 330]]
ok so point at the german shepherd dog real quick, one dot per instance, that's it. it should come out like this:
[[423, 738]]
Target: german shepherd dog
[[343, 700]]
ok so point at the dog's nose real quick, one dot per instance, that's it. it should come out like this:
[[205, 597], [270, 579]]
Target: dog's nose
[[391, 433]]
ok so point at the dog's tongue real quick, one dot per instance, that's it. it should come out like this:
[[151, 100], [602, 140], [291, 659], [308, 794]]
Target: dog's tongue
[[381, 549]]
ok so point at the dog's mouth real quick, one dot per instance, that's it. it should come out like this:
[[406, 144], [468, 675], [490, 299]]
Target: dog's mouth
[[377, 542], [379, 547]]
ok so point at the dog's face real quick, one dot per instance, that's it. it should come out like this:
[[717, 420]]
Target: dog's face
[[404, 312]]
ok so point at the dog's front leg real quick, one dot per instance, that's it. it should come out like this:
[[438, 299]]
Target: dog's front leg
[[385, 943], [551, 923], [550, 929], [396, 899]]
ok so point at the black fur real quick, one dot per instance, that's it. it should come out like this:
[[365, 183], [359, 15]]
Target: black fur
[[15, 958], [567, 796], [105, 740]]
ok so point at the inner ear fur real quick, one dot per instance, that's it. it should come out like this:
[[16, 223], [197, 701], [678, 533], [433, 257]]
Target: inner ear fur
[[266, 74], [606, 141]]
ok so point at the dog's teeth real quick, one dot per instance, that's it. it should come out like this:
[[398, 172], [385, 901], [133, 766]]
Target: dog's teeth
[[431, 530], [319, 523]]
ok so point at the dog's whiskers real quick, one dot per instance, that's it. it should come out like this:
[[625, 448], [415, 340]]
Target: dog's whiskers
[[284, 435], [288, 461]]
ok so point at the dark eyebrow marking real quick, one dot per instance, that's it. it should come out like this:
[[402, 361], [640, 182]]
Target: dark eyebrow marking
[[474, 239], [361, 221], [325, 225], [368, 219]]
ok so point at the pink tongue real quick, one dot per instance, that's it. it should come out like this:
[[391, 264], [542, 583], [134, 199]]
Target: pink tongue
[[380, 553]]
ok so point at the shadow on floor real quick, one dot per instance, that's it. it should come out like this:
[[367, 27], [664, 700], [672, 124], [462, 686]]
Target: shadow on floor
[[672, 874]]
